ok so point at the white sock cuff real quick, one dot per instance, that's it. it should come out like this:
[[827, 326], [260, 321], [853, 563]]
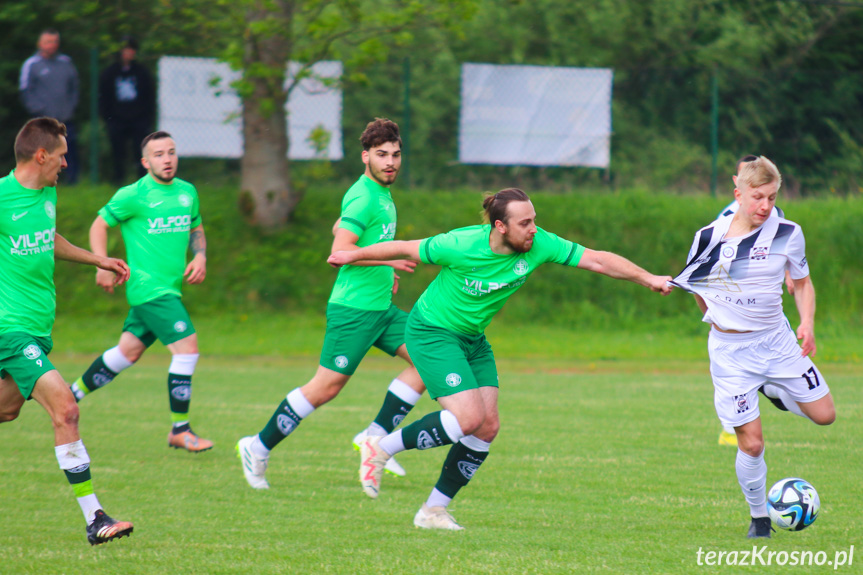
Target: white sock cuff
[[300, 404], [115, 360], [475, 443], [404, 392], [72, 455], [183, 363], [748, 461], [451, 425]]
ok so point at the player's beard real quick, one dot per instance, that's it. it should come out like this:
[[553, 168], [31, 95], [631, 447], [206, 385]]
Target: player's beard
[[382, 178], [521, 248], [161, 178]]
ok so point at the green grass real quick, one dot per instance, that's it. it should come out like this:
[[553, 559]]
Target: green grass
[[607, 462]]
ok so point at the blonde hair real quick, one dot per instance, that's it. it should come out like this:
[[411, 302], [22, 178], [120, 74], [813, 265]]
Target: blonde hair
[[759, 172]]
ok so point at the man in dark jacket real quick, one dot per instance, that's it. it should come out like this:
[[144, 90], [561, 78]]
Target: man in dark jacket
[[127, 103]]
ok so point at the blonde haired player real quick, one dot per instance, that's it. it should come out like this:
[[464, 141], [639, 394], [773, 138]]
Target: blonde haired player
[[735, 270]]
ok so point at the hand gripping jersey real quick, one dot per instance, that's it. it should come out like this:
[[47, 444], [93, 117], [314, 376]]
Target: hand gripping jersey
[[740, 278], [27, 225], [475, 282]]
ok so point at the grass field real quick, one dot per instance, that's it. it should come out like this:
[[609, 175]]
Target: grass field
[[607, 462]]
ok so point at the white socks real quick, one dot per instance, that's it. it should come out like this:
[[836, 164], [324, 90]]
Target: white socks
[[752, 476]]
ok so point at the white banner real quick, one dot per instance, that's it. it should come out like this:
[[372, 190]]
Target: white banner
[[200, 109], [535, 116]]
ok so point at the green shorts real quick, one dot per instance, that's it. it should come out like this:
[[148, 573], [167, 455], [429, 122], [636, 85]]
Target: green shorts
[[164, 318], [449, 362], [351, 332], [25, 358]]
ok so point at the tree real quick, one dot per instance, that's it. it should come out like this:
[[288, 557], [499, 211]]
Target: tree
[[307, 31]]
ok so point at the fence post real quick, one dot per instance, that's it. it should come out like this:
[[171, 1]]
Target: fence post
[[406, 124], [94, 115], [714, 131]]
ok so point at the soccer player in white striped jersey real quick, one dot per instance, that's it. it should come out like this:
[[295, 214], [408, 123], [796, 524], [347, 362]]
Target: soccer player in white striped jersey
[[726, 434], [735, 270]]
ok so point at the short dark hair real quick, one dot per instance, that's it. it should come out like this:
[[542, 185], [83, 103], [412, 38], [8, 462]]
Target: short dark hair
[[744, 160], [38, 133], [379, 132], [129, 41], [159, 135], [494, 205]]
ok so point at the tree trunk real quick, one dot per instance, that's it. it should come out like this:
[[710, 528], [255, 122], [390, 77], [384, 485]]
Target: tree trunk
[[266, 196]]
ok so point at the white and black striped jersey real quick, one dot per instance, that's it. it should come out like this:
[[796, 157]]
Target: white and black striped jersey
[[740, 278], [735, 205]]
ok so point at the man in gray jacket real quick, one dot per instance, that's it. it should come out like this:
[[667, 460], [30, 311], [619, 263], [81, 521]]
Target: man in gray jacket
[[49, 87]]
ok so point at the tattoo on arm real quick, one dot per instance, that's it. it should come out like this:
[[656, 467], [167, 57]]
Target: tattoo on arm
[[197, 242]]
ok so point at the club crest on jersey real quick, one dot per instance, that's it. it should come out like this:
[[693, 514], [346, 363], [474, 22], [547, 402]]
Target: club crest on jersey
[[741, 404], [185, 200], [728, 252], [49, 210], [759, 253], [521, 267]]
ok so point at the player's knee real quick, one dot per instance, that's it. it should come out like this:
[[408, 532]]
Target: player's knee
[[9, 413], [67, 415], [753, 446], [132, 355], [471, 422], [824, 418]]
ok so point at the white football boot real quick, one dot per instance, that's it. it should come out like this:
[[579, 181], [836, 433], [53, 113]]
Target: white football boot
[[393, 467], [254, 467], [436, 518]]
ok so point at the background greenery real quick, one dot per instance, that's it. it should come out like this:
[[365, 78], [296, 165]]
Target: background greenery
[[251, 274], [788, 72]]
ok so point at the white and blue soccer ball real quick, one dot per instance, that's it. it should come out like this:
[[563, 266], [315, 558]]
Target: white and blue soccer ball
[[793, 504]]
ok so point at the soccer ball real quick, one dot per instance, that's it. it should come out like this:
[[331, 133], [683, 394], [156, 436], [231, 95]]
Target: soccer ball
[[793, 504]]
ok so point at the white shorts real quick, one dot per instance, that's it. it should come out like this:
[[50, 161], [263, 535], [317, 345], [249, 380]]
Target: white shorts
[[740, 363]]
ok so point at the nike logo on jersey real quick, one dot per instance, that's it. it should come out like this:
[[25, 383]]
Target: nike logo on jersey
[[154, 204], [16, 217]]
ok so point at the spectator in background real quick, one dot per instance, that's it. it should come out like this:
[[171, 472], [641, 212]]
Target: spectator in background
[[127, 103], [49, 87]]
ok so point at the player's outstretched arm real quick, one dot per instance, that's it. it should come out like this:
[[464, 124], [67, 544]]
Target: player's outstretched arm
[[804, 298], [63, 250], [618, 267], [196, 271], [346, 240], [395, 250]]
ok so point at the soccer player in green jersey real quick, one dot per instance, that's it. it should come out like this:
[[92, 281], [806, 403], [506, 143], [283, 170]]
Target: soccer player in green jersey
[[360, 313], [482, 266], [29, 245], [160, 219]]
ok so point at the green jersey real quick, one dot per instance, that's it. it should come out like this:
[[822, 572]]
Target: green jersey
[[369, 212], [28, 220], [475, 282], [155, 220]]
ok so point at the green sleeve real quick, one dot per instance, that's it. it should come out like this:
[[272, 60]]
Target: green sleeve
[[121, 207], [196, 209], [558, 250], [356, 215], [441, 250]]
